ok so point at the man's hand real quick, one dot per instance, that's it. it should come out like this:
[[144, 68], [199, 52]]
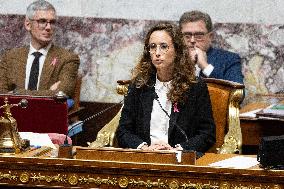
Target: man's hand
[[198, 56], [55, 86]]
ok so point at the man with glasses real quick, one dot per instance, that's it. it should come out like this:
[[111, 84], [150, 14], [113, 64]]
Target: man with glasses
[[40, 68], [197, 30]]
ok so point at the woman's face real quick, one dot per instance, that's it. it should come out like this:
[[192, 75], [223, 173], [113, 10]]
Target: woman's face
[[162, 50]]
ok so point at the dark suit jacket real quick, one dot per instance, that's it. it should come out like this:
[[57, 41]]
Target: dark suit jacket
[[227, 65], [194, 117], [13, 71]]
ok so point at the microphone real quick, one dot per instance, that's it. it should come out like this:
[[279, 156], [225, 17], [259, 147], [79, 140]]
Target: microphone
[[156, 97]]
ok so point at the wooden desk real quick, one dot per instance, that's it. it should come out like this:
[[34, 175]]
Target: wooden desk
[[253, 129], [72, 173]]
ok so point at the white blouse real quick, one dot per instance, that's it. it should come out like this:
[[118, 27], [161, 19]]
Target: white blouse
[[159, 124]]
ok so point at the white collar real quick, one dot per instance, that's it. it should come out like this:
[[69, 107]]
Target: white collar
[[43, 51], [160, 85]]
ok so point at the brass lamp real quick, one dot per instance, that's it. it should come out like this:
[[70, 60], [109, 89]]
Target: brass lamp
[[10, 140]]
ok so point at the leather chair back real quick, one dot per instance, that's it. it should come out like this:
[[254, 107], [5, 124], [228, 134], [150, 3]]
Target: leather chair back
[[225, 99]]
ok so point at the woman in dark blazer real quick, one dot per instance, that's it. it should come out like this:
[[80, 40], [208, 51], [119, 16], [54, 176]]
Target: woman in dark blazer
[[167, 107]]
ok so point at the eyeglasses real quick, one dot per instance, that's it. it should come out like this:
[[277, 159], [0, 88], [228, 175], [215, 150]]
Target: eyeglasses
[[198, 36], [42, 23], [163, 48]]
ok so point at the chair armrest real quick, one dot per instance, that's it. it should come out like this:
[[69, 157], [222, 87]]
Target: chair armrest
[[226, 83], [225, 99], [106, 135]]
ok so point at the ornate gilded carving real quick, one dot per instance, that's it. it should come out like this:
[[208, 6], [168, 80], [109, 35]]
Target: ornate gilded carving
[[73, 180], [57, 178], [24, 177], [98, 181], [199, 185], [276, 186], [122, 89], [10, 140], [148, 183], [105, 136], [233, 139], [124, 182], [224, 185], [8, 176], [173, 185]]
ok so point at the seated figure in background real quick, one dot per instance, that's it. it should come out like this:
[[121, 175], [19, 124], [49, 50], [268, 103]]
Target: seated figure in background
[[167, 107], [40, 68], [212, 62]]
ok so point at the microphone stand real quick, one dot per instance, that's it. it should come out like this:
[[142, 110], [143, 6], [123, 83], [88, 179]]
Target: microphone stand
[[65, 150], [71, 127]]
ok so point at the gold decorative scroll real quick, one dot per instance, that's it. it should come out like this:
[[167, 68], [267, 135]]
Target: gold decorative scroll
[[233, 139], [123, 182]]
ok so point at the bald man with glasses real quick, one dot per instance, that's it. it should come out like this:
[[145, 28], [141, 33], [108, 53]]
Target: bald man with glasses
[[212, 62], [41, 68]]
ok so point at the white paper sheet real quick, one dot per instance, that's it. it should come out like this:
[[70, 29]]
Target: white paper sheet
[[250, 114], [238, 162], [37, 139]]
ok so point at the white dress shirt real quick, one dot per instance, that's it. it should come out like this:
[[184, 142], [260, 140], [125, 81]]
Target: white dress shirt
[[30, 60], [206, 71]]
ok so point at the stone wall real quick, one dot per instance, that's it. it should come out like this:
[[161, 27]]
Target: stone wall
[[109, 47]]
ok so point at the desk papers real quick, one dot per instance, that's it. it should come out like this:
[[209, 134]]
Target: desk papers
[[273, 111], [250, 114], [238, 162], [37, 139]]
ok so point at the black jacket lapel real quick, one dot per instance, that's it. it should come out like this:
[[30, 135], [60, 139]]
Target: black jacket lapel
[[146, 100]]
